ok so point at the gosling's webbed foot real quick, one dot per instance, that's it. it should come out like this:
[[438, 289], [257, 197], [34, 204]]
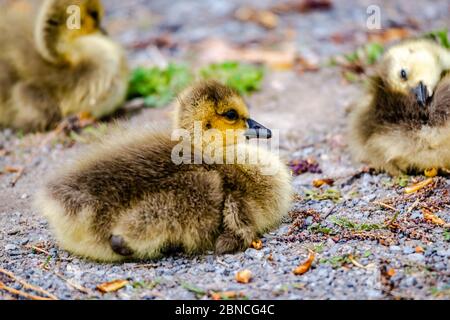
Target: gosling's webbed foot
[[119, 246], [228, 243]]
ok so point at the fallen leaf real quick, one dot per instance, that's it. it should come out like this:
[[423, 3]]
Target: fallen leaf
[[341, 38], [305, 65], [226, 295], [418, 186], [419, 249], [431, 173], [213, 50], [303, 268], [163, 41], [303, 6], [112, 286], [320, 182], [257, 244], [430, 217], [265, 18], [300, 166], [11, 169], [388, 35], [244, 276]]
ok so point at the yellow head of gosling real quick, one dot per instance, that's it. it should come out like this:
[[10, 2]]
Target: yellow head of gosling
[[415, 67], [214, 106], [61, 22]]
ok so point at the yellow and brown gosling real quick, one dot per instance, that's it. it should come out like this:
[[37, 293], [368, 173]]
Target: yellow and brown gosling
[[404, 125], [125, 197], [51, 67]]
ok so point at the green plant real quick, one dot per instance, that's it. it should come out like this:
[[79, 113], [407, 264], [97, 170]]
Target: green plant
[[197, 291], [158, 86], [366, 55], [347, 224], [318, 228], [320, 195], [146, 284], [336, 261], [441, 36], [244, 78], [447, 235], [373, 51]]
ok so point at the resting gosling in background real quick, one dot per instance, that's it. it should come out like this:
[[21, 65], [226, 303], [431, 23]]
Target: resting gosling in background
[[49, 71], [404, 126], [126, 198]]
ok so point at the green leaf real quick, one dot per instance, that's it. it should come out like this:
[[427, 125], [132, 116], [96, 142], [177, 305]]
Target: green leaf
[[321, 195], [374, 51], [441, 36], [447, 235], [158, 86], [193, 289], [347, 224], [244, 78]]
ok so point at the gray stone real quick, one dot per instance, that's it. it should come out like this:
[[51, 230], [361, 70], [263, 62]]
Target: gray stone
[[254, 254], [408, 250], [10, 247], [410, 281], [309, 221], [416, 257], [443, 253], [416, 215]]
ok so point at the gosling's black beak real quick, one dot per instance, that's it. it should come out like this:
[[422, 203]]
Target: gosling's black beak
[[421, 93], [257, 130]]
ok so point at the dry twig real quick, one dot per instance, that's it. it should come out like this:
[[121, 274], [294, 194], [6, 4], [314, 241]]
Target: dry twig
[[26, 285]]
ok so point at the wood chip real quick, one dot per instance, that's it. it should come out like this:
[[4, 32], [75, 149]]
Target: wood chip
[[431, 173], [244, 276], [321, 182], [225, 295], [391, 272], [418, 186], [419, 249], [215, 50], [265, 18], [112, 286], [257, 244], [431, 217], [388, 35], [12, 169], [303, 268]]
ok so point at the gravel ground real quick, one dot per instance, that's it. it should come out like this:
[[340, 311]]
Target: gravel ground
[[356, 255]]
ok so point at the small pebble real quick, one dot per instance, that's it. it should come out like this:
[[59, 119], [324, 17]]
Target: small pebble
[[408, 250], [416, 257]]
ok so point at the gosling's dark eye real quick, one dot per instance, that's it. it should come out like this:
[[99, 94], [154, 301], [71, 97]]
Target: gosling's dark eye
[[53, 22], [95, 15], [404, 74], [231, 115]]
